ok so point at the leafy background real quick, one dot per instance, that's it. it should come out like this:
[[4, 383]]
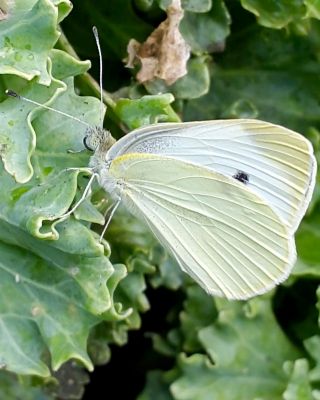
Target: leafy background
[[67, 303]]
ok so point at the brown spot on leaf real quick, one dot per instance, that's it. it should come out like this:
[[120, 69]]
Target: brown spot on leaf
[[165, 53]]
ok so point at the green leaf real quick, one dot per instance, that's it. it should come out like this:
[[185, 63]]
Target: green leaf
[[166, 346], [146, 110], [12, 388], [197, 6], [40, 315], [62, 298], [65, 66], [113, 17], [75, 288], [194, 84], [52, 282], [64, 8], [75, 240], [274, 13], [307, 239], [168, 274], [242, 352], [207, 32], [24, 51], [312, 345], [260, 70], [156, 388], [199, 312], [17, 137], [131, 241], [23, 123], [143, 5], [45, 202], [313, 8], [128, 236], [299, 385], [58, 136]]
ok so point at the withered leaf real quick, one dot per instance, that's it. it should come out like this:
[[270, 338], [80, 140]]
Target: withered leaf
[[165, 53], [5, 6]]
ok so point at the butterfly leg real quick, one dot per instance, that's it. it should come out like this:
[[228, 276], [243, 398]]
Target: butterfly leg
[[82, 198], [113, 209]]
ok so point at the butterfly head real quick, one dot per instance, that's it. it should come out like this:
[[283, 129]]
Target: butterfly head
[[98, 139]]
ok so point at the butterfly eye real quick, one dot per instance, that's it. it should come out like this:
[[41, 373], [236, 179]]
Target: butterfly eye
[[86, 144]]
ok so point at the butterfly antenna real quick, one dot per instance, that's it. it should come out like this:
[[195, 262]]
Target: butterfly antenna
[[96, 36], [12, 93]]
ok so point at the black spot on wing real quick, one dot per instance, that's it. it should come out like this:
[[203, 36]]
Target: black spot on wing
[[241, 176]]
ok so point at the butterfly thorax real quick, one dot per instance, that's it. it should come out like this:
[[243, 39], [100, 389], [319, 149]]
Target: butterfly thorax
[[100, 141]]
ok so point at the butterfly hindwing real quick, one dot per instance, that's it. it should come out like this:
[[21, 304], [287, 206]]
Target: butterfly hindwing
[[222, 234]]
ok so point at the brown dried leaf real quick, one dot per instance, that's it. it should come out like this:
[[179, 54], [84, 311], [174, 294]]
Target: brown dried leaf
[[132, 49], [165, 53], [5, 6]]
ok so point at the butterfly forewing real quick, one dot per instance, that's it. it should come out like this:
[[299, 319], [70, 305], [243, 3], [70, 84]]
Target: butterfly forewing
[[278, 163], [222, 234]]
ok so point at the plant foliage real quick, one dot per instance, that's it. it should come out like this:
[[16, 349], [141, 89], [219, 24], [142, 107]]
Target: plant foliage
[[64, 297]]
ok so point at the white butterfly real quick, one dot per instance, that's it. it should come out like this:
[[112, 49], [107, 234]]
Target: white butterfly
[[224, 197]]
